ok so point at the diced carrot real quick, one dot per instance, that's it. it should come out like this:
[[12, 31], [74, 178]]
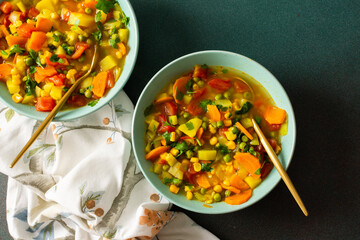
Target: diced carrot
[[163, 100], [5, 70], [155, 153], [47, 71], [13, 40], [250, 163], [163, 142], [39, 78], [44, 24], [80, 47], [243, 130], [231, 188], [99, 83], [4, 30], [45, 104], [90, 3], [122, 48], [213, 113], [6, 7], [237, 182], [274, 115], [203, 181], [36, 41], [26, 29], [239, 198], [199, 133], [179, 89], [58, 79]]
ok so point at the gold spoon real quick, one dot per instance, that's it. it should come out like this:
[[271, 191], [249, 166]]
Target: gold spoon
[[56, 109], [279, 167]]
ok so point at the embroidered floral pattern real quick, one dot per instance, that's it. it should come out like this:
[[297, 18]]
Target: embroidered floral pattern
[[155, 219]]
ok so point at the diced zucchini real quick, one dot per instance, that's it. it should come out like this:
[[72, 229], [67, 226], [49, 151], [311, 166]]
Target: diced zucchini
[[255, 141], [107, 63], [60, 51], [199, 197], [283, 129], [165, 174], [224, 103], [252, 182], [28, 99], [173, 120], [150, 135], [171, 159], [191, 127], [207, 154], [175, 171], [157, 168], [86, 83], [153, 125], [246, 122], [111, 25]]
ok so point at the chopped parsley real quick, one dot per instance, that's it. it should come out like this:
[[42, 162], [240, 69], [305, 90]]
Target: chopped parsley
[[167, 136], [16, 49], [223, 149], [189, 125], [224, 70], [148, 109], [204, 103], [30, 86], [114, 42], [35, 56], [258, 120], [105, 5], [56, 38], [65, 89], [93, 103], [204, 66], [258, 172], [55, 58], [98, 16], [245, 108], [189, 86], [179, 95], [32, 69], [174, 181], [206, 167], [4, 53]]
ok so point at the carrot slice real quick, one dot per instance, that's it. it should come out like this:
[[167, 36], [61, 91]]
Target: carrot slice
[[47, 71], [242, 129], [231, 188], [274, 115], [99, 83], [13, 40], [4, 30], [239, 198], [162, 100], [179, 89], [5, 70], [238, 183], [155, 153], [213, 113], [44, 24], [199, 133], [36, 41], [202, 181], [250, 163]]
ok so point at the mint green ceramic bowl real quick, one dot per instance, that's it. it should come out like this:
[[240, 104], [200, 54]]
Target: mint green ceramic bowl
[[183, 65], [67, 115]]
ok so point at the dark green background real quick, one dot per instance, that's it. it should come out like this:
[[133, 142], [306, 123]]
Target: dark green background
[[312, 47]]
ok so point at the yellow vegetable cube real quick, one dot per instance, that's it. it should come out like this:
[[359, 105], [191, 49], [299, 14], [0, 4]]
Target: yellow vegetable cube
[[170, 159], [188, 188], [230, 135], [252, 182], [174, 189], [86, 82], [187, 99], [21, 6], [207, 154], [107, 63], [56, 93], [157, 168], [48, 86], [174, 151], [175, 171], [173, 120], [81, 19], [28, 99], [197, 167], [16, 97], [38, 91], [191, 127], [124, 35], [45, 4], [153, 125], [194, 160], [103, 16], [189, 195], [12, 87], [172, 137]]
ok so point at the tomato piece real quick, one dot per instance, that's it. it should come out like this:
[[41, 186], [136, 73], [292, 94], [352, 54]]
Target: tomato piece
[[6, 7], [260, 148], [166, 128], [65, 14], [64, 62], [170, 108], [111, 80], [200, 72], [272, 142], [199, 93], [6, 21], [240, 86], [58, 79], [45, 104], [77, 100], [194, 108], [33, 12], [220, 84], [80, 47], [26, 29], [274, 127], [266, 169], [161, 119]]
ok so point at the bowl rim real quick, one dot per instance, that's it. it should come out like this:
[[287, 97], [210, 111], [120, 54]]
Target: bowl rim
[[102, 101], [147, 173]]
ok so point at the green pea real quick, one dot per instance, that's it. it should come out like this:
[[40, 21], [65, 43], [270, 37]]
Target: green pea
[[196, 79], [235, 130], [227, 193], [227, 95], [214, 124], [247, 95], [81, 90], [81, 38], [205, 119], [57, 33], [217, 197], [200, 83], [165, 167], [242, 145], [218, 96], [203, 190], [189, 154], [29, 61], [244, 138], [227, 158], [70, 50], [88, 93], [204, 125], [81, 59], [220, 124], [186, 115], [88, 10]]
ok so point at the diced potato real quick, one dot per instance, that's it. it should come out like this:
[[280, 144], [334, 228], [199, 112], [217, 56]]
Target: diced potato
[[56, 93], [45, 4], [157, 168], [47, 87], [111, 25], [38, 91], [81, 19], [191, 127], [252, 182], [150, 135], [173, 120], [165, 174], [153, 125], [170, 159], [28, 99], [124, 35], [103, 16], [12, 87], [21, 6], [107, 63], [187, 99], [86, 82], [207, 154], [175, 171]]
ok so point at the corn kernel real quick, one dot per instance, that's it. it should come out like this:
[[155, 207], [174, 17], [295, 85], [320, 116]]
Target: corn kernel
[[14, 71], [54, 16], [194, 160], [174, 151], [227, 115], [230, 135], [174, 189], [231, 145], [226, 182], [16, 79], [172, 137], [218, 188], [189, 195], [212, 129], [16, 97], [213, 140], [227, 122], [118, 54], [195, 87], [228, 163], [209, 201], [197, 167], [187, 189], [71, 73]]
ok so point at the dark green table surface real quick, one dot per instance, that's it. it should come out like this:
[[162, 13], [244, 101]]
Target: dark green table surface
[[313, 48]]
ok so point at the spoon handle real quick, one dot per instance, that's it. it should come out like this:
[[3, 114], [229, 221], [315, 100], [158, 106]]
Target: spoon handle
[[279, 167]]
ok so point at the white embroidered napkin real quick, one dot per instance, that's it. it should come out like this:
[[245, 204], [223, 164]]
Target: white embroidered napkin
[[80, 180]]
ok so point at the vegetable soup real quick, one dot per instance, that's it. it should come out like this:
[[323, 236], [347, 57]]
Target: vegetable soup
[[46, 45], [200, 137]]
